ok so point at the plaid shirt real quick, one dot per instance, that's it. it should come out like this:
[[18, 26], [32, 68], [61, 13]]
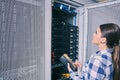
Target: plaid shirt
[[99, 67]]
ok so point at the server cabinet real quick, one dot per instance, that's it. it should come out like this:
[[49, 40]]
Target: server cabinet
[[88, 18], [64, 37]]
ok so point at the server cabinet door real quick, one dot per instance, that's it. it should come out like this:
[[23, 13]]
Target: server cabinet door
[[25, 40], [90, 17]]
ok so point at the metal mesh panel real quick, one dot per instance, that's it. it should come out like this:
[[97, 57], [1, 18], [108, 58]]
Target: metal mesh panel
[[21, 40], [99, 15]]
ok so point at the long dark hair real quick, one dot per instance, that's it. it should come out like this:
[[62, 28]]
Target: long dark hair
[[112, 33]]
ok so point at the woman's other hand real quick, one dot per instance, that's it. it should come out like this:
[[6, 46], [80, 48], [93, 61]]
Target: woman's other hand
[[69, 68]]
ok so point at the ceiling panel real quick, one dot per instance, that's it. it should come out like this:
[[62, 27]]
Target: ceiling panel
[[86, 2]]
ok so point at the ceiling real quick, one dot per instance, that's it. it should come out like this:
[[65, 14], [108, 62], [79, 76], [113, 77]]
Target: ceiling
[[85, 2], [79, 3]]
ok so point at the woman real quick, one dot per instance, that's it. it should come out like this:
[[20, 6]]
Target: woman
[[105, 63]]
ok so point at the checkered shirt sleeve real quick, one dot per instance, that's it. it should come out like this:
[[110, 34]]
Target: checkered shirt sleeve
[[95, 69]]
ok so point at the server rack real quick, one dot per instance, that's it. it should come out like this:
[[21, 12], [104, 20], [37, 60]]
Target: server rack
[[64, 37]]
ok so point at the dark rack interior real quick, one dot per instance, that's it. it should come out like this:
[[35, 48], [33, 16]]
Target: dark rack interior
[[64, 38]]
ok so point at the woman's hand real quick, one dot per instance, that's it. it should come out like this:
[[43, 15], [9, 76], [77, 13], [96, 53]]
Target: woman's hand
[[77, 64]]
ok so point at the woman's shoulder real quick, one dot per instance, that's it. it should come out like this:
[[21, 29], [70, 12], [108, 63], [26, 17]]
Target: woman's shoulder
[[104, 59]]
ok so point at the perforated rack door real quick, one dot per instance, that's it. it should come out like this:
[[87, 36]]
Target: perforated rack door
[[22, 40], [99, 14]]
